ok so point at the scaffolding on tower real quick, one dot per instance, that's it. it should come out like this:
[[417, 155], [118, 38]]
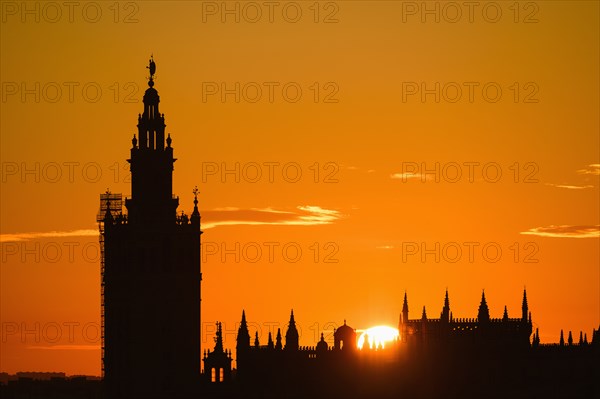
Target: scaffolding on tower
[[112, 203]]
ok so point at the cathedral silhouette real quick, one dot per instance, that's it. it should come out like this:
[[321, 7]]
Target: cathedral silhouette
[[151, 277]]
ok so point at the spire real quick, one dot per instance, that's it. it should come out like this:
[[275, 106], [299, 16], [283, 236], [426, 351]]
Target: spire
[[580, 337], [405, 309], [570, 339], [278, 344], [505, 316], [291, 336], [446, 310], [219, 339], [562, 339], [484, 311], [270, 344], [424, 315], [525, 307], [256, 343], [243, 337], [195, 218]]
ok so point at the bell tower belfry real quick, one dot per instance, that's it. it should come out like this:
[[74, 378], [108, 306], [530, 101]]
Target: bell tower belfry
[[151, 164]]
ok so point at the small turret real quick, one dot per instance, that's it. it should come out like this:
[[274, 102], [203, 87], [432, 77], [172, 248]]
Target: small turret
[[322, 346], [524, 307], [270, 344], [445, 317], [484, 312], [243, 337], [195, 218], [536, 338], [219, 339], [278, 345], [291, 336]]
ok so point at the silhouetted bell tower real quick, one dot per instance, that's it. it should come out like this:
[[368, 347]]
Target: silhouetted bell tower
[[151, 165], [151, 274]]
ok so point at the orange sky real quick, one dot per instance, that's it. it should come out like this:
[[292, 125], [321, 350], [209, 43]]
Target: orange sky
[[71, 92]]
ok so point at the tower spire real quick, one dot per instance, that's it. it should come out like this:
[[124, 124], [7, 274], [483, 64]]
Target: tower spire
[[219, 339], [270, 343], [524, 307], [291, 335], [446, 310], [243, 337], [278, 344], [484, 311], [195, 218], [405, 309]]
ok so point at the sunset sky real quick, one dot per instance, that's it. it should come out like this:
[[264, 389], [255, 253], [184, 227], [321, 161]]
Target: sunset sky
[[345, 152]]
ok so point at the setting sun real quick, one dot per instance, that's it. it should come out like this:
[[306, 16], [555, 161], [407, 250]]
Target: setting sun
[[377, 336]]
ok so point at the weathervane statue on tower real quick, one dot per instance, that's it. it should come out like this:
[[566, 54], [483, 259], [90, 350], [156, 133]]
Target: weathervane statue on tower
[[152, 67]]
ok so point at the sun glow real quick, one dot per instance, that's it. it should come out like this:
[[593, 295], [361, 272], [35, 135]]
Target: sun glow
[[377, 337]]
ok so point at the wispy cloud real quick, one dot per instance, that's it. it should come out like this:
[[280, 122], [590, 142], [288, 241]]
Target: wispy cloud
[[352, 167], [307, 215], [565, 231], [593, 169], [569, 187], [67, 347], [408, 175], [48, 234]]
